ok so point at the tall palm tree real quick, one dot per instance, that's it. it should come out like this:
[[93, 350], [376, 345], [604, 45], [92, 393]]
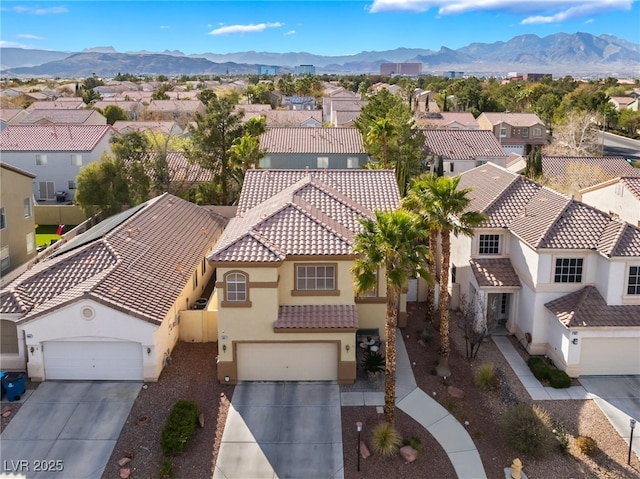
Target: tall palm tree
[[245, 153], [389, 242], [380, 133], [445, 207]]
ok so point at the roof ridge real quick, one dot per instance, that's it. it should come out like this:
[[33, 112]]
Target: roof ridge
[[582, 298], [341, 197], [552, 223], [262, 239], [502, 193], [323, 219], [623, 225]]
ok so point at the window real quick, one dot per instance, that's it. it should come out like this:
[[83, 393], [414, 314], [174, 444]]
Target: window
[[27, 207], [3, 219], [5, 262], [31, 242], [447, 166], [195, 280], [315, 278], [47, 190], [204, 266], [525, 132], [503, 131], [265, 162], [41, 160], [76, 160], [454, 271], [72, 185], [568, 270], [537, 131], [352, 162], [236, 287], [489, 244], [323, 162], [634, 280]]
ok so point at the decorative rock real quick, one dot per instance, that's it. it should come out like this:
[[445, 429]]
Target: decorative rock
[[364, 450], [455, 392], [6, 411], [201, 419], [408, 453], [123, 461], [128, 454], [125, 473]]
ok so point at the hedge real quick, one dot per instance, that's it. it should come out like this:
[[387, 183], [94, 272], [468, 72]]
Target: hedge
[[179, 428]]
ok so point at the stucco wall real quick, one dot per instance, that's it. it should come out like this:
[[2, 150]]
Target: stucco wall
[[616, 199], [59, 215]]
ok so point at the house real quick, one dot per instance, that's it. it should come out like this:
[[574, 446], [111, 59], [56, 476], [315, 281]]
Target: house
[[133, 109], [17, 224], [446, 120], [461, 150], [335, 107], [620, 197], [168, 128], [302, 147], [624, 103], [562, 276], [58, 104], [7, 116], [282, 118], [517, 132], [298, 103], [287, 309], [54, 153], [60, 116], [107, 305]]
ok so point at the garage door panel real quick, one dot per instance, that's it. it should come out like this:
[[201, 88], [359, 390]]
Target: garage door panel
[[101, 360], [604, 356], [287, 361]]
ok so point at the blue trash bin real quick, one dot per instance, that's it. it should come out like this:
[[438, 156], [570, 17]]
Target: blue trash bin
[[14, 385], [2, 373]]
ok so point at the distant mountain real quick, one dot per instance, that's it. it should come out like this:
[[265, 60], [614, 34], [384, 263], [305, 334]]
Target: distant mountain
[[559, 54]]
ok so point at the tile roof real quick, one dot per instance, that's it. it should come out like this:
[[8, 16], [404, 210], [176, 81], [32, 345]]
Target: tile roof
[[513, 119], [59, 116], [559, 168], [7, 114], [632, 184], [127, 106], [312, 140], [329, 316], [345, 117], [298, 212], [446, 118], [140, 266], [52, 137], [494, 272], [587, 308], [175, 105], [462, 144], [544, 218], [61, 103]]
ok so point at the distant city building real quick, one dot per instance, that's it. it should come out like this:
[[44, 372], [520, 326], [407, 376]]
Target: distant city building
[[534, 77], [404, 69], [267, 70], [305, 70], [452, 74]]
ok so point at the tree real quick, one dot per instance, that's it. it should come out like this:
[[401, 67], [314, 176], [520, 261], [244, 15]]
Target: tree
[[245, 153], [90, 96], [475, 324], [629, 121], [577, 135], [114, 113], [533, 169], [256, 126], [132, 150], [102, 186], [390, 242], [205, 96], [380, 134], [444, 208]]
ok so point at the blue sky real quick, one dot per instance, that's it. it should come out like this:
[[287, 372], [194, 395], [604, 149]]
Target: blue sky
[[322, 27]]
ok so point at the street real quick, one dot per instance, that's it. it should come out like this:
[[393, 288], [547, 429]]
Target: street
[[615, 145]]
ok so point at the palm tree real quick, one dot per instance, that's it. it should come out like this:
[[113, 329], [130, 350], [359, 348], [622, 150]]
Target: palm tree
[[391, 242], [442, 208], [245, 153], [380, 133]]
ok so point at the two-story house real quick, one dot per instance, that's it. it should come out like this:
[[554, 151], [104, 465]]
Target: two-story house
[[446, 120], [287, 309], [108, 304], [620, 197], [316, 148], [517, 132], [54, 153], [563, 277]]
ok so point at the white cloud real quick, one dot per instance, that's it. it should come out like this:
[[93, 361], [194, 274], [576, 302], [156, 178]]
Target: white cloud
[[591, 20], [290, 32], [38, 11], [241, 29], [6, 44], [28, 36], [164, 27]]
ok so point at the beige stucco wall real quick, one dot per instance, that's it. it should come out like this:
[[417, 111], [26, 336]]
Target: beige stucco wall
[[59, 215]]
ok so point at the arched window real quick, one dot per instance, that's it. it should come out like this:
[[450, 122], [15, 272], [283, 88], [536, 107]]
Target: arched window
[[236, 287]]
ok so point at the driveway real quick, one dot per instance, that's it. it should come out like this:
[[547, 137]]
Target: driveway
[[67, 428], [282, 430]]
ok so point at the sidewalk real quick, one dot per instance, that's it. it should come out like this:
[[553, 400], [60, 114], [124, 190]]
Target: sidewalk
[[451, 435]]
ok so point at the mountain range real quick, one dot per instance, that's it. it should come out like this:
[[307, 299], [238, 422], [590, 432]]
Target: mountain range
[[558, 54]]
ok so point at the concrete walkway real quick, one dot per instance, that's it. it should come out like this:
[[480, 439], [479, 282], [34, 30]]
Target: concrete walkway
[[445, 428]]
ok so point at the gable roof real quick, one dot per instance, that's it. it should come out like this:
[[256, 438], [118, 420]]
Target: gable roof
[[60, 116], [52, 137], [587, 308], [462, 144], [138, 262], [60, 103], [446, 118], [513, 119], [312, 140], [543, 218], [557, 168], [299, 212]]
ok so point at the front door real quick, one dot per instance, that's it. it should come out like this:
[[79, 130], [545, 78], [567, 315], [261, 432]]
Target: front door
[[498, 308]]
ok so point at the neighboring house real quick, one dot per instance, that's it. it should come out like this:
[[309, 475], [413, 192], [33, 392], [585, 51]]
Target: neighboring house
[[54, 153], [620, 197], [180, 111], [298, 103], [312, 148], [58, 104], [7, 116], [446, 120], [517, 132], [334, 108], [281, 118], [60, 116], [17, 223], [461, 150], [166, 127], [133, 109], [107, 305], [624, 103], [563, 277], [287, 310]]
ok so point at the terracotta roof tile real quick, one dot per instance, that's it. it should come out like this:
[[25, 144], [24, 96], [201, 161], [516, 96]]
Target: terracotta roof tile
[[513, 119], [462, 144], [629, 242], [632, 184], [313, 140], [579, 226], [494, 272], [538, 216], [59, 116], [10, 303], [61, 103], [587, 308], [557, 168], [330, 316], [52, 137]]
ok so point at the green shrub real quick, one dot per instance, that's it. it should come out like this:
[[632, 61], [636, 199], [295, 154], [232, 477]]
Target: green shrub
[[179, 428], [415, 443], [485, 376], [587, 445], [528, 429], [166, 469], [561, 434], [538, 367], [373, 362], [385, 439], [559, 379]]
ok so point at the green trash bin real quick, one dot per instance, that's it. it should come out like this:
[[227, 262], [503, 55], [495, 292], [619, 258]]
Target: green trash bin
[[15, 385]]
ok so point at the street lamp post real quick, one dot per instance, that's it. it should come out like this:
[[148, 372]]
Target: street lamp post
[[359, 429], [632, 425]]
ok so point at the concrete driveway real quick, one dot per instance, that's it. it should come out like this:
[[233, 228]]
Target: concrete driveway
[[282, 430], [69, 428]]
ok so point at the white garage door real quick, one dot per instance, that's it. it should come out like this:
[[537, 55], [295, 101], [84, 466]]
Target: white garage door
[[287, 361], [610, 356], [105, 360]]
